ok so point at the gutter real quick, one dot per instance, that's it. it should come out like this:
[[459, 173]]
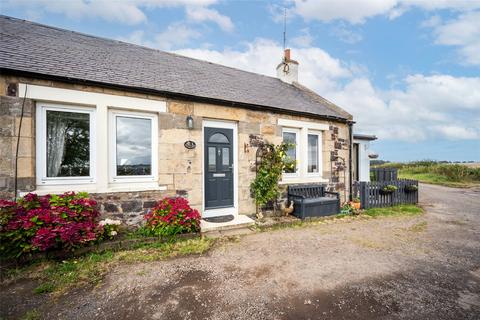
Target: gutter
[[169, 95]]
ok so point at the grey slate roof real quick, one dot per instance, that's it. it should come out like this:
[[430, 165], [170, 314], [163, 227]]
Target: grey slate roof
[[30, 47]]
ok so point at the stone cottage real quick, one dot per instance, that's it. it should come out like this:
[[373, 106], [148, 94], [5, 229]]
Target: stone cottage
[[131, 125]]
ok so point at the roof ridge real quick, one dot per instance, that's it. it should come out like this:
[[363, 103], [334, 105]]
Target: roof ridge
[[138, 45]]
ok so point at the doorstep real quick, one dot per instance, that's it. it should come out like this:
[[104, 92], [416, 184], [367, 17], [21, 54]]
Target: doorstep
[[239, 222]]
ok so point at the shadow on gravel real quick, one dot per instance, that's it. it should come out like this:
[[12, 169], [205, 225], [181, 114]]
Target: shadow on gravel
[[422, 294]]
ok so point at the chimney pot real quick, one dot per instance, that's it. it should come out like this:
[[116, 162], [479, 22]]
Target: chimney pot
[[287, 70], [287, 54]]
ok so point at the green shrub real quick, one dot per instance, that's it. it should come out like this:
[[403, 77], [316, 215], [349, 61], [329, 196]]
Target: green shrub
[[275, 160], [388, 189]]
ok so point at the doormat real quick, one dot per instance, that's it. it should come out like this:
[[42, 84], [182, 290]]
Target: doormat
[[220, 219]]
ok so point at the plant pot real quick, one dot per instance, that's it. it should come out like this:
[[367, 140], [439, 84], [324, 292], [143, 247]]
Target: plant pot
[[410, 189], [355, 205]]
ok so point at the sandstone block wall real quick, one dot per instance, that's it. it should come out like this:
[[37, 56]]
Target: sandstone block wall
[[10, 111]]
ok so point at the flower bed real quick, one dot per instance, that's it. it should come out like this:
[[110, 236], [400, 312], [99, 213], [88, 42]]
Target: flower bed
[[37, 224]]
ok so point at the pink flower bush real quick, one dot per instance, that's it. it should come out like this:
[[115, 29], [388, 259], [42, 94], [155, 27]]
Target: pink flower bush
[[172, 216], [36, 223]]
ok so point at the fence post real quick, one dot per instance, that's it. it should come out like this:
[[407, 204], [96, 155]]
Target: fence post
[[363, 195]]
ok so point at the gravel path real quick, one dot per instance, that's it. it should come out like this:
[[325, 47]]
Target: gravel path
[[425, 267]]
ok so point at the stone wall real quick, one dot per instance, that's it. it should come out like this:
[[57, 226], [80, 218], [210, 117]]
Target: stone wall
[[10, 111], [179, 169]]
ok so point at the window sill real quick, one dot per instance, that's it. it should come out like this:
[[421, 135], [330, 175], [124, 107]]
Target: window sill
[[290, 180], [131, 187]]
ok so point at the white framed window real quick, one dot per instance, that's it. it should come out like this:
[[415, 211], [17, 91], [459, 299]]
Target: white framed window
[[314, 152], [308, 137], [133, 146], [65, 144], [292, 136]]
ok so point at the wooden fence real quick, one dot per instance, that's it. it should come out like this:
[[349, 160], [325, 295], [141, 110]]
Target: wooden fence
[[372, 195], [383, 174]]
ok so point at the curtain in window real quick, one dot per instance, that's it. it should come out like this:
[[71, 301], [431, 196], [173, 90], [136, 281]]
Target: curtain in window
[[56, 131], [312, 153]]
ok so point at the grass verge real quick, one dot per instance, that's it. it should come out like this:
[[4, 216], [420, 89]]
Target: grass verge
[[433, 178], [446, 174], [402, 210], [61, 276]]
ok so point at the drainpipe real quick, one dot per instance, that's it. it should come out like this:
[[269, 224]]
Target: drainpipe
[[350, 162]]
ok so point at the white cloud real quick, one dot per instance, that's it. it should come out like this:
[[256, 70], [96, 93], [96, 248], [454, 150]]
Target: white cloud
[[127, 11], [462, 32], [201, 14], [433, 106], [305, 39], [317, 67], [174, 36], [429, 107], [357, 11], [455, 132], [354, 11], [345, 34]]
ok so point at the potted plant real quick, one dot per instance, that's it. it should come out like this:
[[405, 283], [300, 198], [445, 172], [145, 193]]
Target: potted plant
[[411, 188], [355, 203], [388, 189], [346, 209]]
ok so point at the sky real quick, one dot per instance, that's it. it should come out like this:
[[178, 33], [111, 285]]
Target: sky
[[408, 70]]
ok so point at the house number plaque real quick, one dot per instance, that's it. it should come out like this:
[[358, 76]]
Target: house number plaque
[[190, 144]]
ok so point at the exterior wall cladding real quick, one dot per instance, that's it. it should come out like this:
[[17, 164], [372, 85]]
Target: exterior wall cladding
[[179, 169]]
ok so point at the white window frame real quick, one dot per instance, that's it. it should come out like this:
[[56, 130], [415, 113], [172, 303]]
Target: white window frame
[[113, 177], [298, 155], [303, 129], [41, 142], [319, 154]]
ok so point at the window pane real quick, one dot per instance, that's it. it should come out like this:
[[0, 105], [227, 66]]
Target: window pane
[[218, 138], [291, 138], [312, 153], [212, 159], [226, 157], [68, 144], [134, 146]]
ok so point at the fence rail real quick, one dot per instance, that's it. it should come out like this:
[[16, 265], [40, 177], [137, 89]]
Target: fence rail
[[383, 174], [373, 195]]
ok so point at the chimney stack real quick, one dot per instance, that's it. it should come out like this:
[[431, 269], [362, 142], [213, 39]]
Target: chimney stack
[[287, 70]]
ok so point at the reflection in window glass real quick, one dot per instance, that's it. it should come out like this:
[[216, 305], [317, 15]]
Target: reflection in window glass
[[134, 146], [218, 138], [68, 144], [212, 159], [226, 157], [312, 153], [291, 138]]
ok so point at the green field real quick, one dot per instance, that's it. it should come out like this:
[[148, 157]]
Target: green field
[[452, 175]]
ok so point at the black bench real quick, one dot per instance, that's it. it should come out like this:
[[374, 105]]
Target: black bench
[[313, 201]]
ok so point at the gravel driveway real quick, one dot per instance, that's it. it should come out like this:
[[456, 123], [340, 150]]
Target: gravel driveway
[[424, 267]]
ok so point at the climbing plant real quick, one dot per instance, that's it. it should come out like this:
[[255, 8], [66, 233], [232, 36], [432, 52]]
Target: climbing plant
[[274, 161]]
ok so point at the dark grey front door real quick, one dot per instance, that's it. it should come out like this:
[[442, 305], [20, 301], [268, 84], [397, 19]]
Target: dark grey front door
[[218, 168]]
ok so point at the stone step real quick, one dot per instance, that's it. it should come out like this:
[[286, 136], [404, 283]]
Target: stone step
[[239, 222], [228, 233]]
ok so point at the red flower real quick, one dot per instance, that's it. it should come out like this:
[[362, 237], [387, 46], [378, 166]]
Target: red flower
[[47, 222], [172, 215]]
